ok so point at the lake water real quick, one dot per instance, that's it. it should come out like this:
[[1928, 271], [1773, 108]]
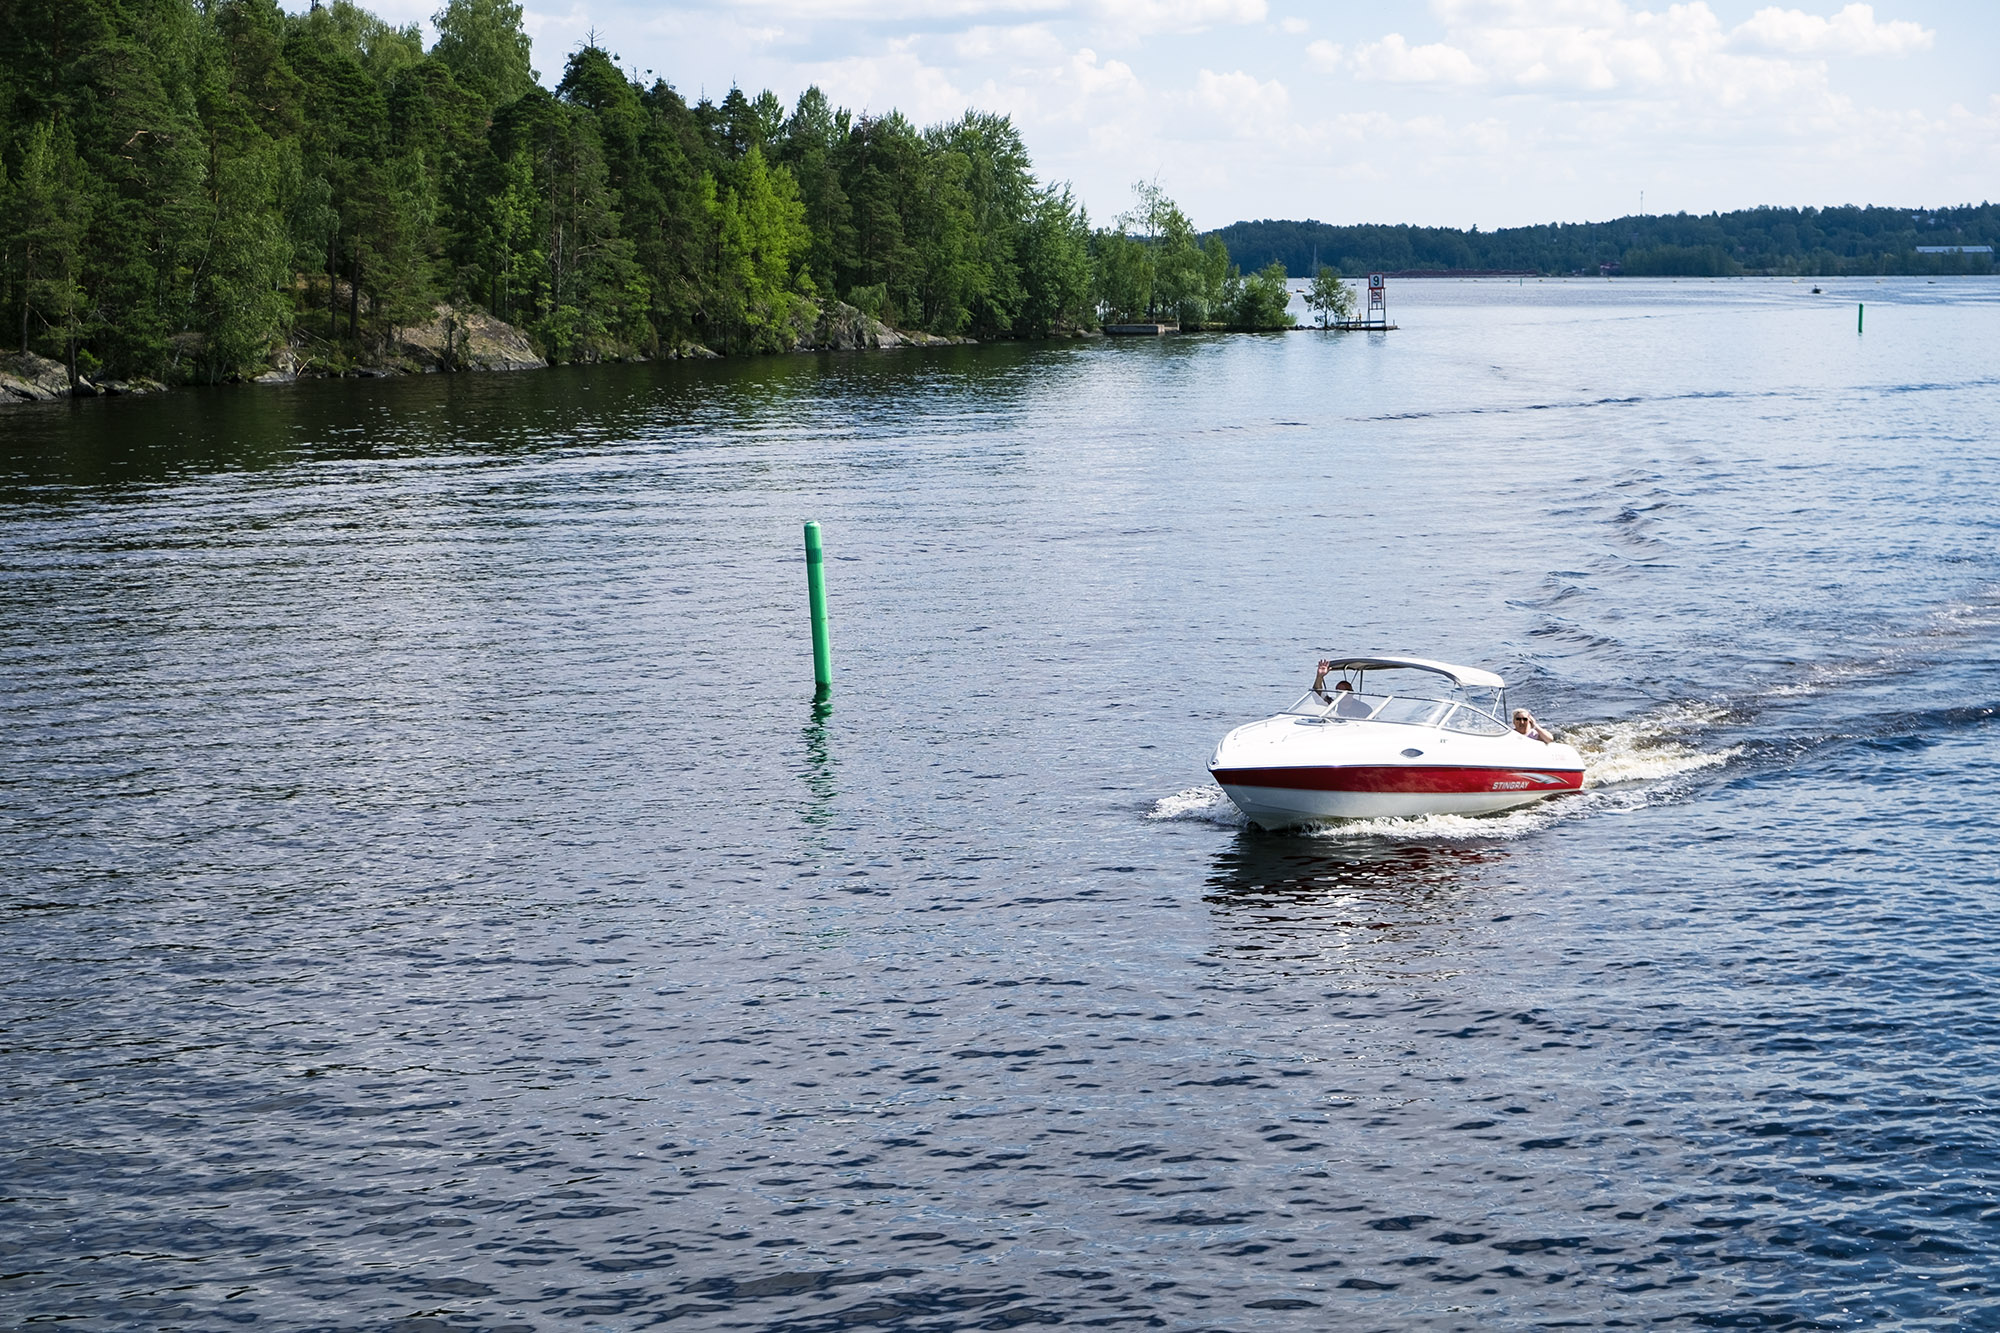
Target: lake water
[[434, 903]]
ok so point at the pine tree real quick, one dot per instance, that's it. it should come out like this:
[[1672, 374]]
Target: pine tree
[[483, 45], [760, 245], [248, 102], [50, 217], [999, 198], [1055, 265], [809, 145]]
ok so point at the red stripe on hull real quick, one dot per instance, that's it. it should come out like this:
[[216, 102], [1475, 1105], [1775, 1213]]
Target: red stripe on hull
[[1405, 778]]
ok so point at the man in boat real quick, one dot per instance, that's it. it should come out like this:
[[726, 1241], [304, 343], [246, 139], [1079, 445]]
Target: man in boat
[[1524, 722], [1319, 682]]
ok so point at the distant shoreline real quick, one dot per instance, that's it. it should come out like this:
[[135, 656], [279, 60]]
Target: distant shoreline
[[1841, 242]]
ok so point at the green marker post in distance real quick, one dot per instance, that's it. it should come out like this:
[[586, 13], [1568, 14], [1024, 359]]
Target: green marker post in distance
[[816, 598], [1860, 309]]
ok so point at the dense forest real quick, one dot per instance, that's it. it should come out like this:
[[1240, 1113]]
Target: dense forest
[[1783, 241], [189, 188]]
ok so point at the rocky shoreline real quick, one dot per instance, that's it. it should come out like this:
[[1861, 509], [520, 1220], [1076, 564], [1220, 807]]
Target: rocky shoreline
[[27, 378], [455, 340]]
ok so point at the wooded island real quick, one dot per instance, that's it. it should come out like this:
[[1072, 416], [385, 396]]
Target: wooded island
[[201, 191]]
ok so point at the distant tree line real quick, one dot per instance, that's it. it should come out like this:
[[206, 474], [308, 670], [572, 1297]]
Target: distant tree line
[[188, 185], [1783, 241]]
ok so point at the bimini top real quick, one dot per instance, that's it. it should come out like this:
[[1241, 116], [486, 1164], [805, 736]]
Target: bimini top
[[1458, 675]]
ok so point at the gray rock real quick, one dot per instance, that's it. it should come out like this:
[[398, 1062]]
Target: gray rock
[[842, 328], [284, 368], [27, 378], [465, 340]]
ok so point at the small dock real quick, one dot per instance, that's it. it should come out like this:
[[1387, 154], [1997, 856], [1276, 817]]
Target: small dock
[[1140, 330], [1361, 325]]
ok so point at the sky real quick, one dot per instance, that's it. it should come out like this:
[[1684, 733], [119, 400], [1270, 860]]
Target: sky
[[1487, 113]]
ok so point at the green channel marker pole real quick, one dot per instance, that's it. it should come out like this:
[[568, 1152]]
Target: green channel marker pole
[[816, 597], [1860, 309]]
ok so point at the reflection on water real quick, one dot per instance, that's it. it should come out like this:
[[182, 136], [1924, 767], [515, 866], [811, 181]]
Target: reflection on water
[[1368, 908], [820, 772], [1276, 868]]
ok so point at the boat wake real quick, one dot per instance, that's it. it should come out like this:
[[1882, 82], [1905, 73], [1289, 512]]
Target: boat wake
[[1662, 744], [1630, 764], [1206, 804]]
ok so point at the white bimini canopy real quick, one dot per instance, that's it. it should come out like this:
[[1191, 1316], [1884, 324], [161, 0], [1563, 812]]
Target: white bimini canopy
[[1458, 675]]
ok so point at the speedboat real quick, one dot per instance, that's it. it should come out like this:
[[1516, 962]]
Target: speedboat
[[1390, 738]]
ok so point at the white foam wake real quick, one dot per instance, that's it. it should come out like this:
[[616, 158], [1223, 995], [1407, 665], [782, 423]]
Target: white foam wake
[[1664, 743], [1447, 828], [1206, 804]]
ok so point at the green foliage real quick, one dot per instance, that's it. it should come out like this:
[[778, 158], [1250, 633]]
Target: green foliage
[[48, 218], [1056, 287], [191, 188], [1259, 301], [1329, 298], [759, 229], [239, 298], [1123, 269], [869, 300], [188, 186], [1187, 286], [248, 100], [999, 198], [1681, 261], [481, 42], [1153, 265], [810, 148]]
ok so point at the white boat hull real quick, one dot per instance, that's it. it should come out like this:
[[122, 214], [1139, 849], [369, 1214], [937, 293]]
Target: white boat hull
[[1286, 771], [1283, 807]]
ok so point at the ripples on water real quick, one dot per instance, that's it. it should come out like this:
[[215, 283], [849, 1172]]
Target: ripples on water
[[433, 902]]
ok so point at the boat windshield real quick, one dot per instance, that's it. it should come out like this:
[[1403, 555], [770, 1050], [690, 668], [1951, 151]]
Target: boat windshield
[[1453, 715], [1417, 699], [1475, 721]]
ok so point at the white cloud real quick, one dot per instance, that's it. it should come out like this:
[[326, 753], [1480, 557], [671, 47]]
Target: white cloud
[[1237, 93], [902, 11], [897, 79], [1092, 79], [1294, 26], [1075, 88], [1139, 18], [1393, 60], [1323, 55], [1599, 47], [1033, 43], [1851, 32], [541, 25], [1679, 56], [1531, 13]]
